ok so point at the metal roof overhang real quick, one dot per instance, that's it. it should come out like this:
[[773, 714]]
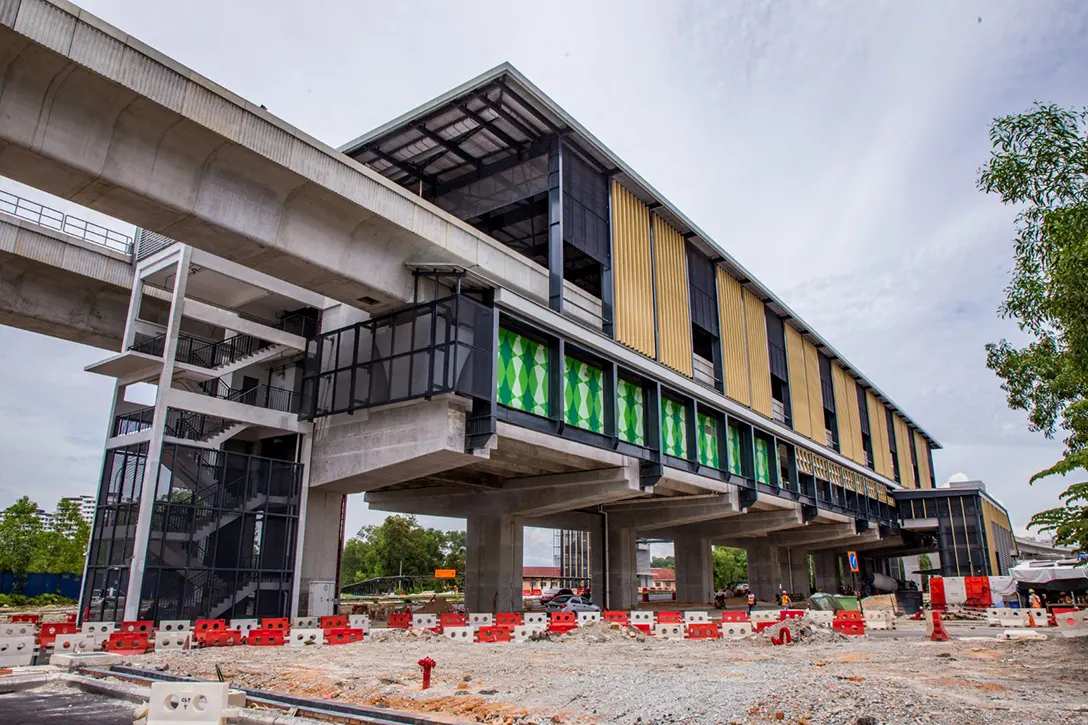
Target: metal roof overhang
[[500, 118]]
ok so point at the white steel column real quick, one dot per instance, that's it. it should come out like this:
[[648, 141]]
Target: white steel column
[[158, 425]]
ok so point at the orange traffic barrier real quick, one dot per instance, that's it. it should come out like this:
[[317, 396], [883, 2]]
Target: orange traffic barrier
[[137, 627], [508, 619], [496, 634], [335, 621], [343, 635], [280, 624], [849, 627], [132, 643], [401, 620], [939, 633], [849, 615], [222, 638], [703, 630], [265, 638], [25, 618], [670, 618], [452, 619], [49, 632], [562, 622], [735, 617], [617, 617]]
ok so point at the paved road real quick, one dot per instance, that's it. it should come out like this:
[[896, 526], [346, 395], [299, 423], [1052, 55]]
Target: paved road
[[64, 707]]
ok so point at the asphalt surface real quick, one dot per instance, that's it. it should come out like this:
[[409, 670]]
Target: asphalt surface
[[42, 707]]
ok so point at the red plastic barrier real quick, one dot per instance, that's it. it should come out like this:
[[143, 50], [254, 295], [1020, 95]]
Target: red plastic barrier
[[71, 617], [978, 591], [848, 627], [617, 617], [703, 630], [279, 624], [670, 618], [343, 635], [400, 620], [139, 627], [335, 621], [644, 628], [496, 634], [209, 625], [49, 632], [25, 618], [265, 638], [939, 633], [849, 615], [222, 638], [452, 619], [936, 594], [760, 626], [734, 617], [130, 643], [562, 622], [508, 619], [790, 614]]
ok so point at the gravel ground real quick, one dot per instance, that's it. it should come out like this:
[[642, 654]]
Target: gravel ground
[[600, 675]]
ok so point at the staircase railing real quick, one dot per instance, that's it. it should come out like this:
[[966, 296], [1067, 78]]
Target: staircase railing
[[202, 353], [195, 426], [261, 396], [133, 422]]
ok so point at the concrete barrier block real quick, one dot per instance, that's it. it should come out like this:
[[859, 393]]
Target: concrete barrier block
[[696, 618], [424, 621], [477, 620], [735, 630], [466, 635], [305, 623], [172, 640], [587, 617], [193, 703], [306, 636], [82, 642], [669, 631], [359, 621], [534, 618]]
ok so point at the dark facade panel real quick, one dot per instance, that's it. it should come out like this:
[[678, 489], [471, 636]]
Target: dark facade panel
[[702, 279]]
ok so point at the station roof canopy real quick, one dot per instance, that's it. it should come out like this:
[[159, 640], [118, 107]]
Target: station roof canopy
[[500, 119]]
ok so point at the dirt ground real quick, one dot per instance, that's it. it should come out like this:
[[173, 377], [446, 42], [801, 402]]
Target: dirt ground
[[600, 675]]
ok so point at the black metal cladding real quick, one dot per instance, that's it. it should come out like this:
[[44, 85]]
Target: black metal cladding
[[585, 208], [776, 346], [703, 297], [863, 410], [827, 388], [442, 346]]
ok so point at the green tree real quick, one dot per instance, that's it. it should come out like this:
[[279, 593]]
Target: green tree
[[924, 564], [63, 548], [730, 566], [399, 545], [1039, 164], [20, 532], [454, 546], [663, 562]]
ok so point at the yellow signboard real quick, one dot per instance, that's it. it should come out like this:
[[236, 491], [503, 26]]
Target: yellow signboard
[[445, 573]]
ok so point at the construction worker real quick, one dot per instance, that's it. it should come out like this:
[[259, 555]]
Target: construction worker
[[1034, 602], [785, 600], [751, 602]]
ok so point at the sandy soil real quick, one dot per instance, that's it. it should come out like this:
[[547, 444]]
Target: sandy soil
[[600, 675]]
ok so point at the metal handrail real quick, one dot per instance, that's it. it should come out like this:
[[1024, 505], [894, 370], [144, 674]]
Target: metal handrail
[[261, 396], [50, 218]]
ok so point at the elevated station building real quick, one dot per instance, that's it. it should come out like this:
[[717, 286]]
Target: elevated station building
[[476, 310]]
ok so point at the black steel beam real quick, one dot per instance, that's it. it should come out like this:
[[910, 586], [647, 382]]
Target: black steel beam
[[555, 225]]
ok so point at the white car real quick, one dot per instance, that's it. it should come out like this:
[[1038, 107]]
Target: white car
[[571, 604]]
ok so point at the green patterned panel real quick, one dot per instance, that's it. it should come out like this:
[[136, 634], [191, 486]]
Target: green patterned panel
[[708, 441], [734, 451], [584, 395], [674, 429], [763, 464], [523, 373], [632, 413]]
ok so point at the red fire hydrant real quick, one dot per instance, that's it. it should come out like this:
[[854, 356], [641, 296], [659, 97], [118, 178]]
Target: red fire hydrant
[[427, 664]]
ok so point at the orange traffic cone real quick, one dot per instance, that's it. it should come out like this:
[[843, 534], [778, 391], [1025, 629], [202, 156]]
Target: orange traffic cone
[[1031, 620], [940, 634]]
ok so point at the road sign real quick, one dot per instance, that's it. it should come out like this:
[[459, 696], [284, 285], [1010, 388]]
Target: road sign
[[445, 573], [852, 557]]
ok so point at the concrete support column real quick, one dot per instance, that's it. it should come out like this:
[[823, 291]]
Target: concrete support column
[[321, 542], [598, 546], [763, 575], [694, 570], [827, 571], [622, 569], [493, 563], [797, 580]]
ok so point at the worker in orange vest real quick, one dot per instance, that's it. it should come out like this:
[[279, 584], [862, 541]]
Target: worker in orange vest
[[785, 600], [1034, 602], [751, 602]]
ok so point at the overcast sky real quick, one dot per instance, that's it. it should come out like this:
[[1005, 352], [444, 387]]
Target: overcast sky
[[832, 148]]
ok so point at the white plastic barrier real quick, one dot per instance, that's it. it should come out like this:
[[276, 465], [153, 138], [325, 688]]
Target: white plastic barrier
[[880, 620], [359, 621], [638, 617], [1013, 617], [477, 620], [1022, 634], [171, 640], [587, 617], [193, 703], [424, 621], [82, 642], [466, 635], [764, 615], [735, 630], [305, 623], [100, 630], [244, 625], [669, 631], [535, 618], [1072, 624], [520, 633], [16, 629], [17, 651], [696, 618], [823, 618], [304, 636]]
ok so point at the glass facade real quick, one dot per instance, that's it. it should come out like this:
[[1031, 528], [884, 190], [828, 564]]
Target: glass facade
[[960, 533], [113, 534]]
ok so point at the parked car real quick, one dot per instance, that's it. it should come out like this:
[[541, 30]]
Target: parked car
[[554, 592], [571, 604]]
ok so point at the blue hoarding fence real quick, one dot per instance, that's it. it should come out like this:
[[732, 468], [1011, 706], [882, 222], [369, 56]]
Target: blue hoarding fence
[[66, 585]]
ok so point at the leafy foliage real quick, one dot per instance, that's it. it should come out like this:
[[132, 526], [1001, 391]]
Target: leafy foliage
[[27, 547], [1040, 164], [401, 546], [663, 562], [730, 566]]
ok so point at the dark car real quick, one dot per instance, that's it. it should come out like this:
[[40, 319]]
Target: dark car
[[553, 593]]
